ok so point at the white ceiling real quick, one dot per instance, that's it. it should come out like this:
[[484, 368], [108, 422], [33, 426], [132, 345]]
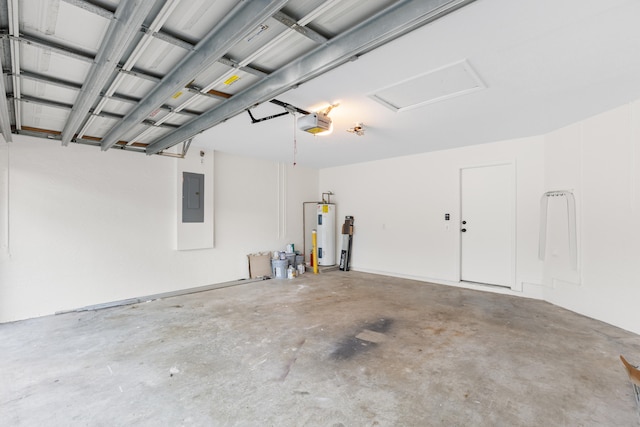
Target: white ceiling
[[545, 64], [144, 75]]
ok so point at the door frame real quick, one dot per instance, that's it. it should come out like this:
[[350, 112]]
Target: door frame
[[514, 285]]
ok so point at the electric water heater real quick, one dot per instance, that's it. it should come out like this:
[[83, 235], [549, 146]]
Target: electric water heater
[[326, 234]]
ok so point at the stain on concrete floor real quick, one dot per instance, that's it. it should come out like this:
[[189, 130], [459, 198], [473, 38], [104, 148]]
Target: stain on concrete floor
[[365, 338]]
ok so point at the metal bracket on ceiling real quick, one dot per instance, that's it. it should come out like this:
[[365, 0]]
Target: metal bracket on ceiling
[[290, 109], [262, 119], [185, 147]]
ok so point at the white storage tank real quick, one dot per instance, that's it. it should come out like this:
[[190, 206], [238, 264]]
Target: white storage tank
[[326, 234]]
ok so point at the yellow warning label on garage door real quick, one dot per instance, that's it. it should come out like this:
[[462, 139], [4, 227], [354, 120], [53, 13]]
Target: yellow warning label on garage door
[[231, 80]]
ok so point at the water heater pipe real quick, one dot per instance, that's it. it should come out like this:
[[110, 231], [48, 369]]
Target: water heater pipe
[[314, 244]]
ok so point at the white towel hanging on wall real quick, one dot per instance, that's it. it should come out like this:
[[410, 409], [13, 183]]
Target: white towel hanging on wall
[[571, 223]]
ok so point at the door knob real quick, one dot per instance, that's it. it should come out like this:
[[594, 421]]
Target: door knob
[[464, 230], [464, 222]]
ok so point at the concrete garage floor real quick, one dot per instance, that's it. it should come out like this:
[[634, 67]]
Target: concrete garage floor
[[337, 349]]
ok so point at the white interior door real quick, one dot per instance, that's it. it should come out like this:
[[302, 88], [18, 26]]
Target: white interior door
[[486, 226]]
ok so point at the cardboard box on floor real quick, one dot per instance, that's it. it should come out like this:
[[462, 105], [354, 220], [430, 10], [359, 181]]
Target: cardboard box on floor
[[259, 265]]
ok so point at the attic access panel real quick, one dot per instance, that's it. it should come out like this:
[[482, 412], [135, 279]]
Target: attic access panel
[[433, 86]]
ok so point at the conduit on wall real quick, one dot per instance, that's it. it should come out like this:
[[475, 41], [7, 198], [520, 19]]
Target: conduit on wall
[[571, 224], [6, 229], [282, 200]]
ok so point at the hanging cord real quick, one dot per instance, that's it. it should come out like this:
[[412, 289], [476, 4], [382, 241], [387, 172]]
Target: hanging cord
[[295, 137], [7, 195]]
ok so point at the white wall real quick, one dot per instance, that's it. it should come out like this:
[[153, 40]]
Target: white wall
[[598, 159], [399, 206], [87, 227]]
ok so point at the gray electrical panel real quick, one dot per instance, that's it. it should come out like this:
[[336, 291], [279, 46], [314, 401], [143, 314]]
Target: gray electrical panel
[[192, 197]]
